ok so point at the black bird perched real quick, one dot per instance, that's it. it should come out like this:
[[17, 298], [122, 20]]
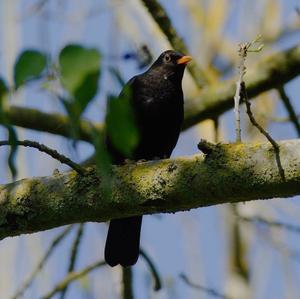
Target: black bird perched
[[157, 102]]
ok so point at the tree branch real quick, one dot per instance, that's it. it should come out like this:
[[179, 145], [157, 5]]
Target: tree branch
[[271, 72], [163, 21], [74, 256], [290, 109], [53, 123], [55, 242], [47, 150], [209, 291], [72, 277], [228, 173], [270, 223], [157, 285]]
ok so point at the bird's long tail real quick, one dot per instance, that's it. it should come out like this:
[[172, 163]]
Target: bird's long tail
[[123, 241]]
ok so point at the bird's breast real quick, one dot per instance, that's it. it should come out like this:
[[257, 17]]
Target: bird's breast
[[159, 118]]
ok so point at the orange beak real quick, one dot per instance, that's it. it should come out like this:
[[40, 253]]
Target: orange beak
[[184, 59]]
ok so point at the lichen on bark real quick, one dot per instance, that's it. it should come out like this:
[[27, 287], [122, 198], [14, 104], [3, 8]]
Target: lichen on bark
[[228, 173]]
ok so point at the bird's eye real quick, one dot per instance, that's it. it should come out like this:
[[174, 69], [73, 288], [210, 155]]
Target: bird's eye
[[167, 58]]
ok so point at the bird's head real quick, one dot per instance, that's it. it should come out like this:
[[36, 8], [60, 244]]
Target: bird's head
[[171, 64]]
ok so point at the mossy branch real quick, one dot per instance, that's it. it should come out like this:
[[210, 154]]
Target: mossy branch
[[229, 173]]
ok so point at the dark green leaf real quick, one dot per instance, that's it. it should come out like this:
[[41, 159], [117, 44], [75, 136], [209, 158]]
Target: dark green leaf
[[121, 125], [74, 115], [103, 160], [80, 70], [29, 65], [86, 91]]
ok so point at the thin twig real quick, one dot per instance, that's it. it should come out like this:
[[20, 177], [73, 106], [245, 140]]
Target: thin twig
[[276, 119], [72, 277], [243, 50], [163, 21], [51, 152], [253, 120], [42, 262], [37, 7], [290, 109], [261, 129], [272, 223], [280, 246], [74, 255], [208, 291], [156, 277], [241, 92], [237, 100]]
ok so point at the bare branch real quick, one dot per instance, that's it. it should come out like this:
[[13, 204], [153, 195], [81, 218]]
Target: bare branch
[[208, 291], [263, 131], [243, 50], [156, 277], [42, 262], [74, 254], [271, 223], [170, 185], [163, 21], [290, 109], [269, 73], [253, 120], [51, 152], [72, 277]]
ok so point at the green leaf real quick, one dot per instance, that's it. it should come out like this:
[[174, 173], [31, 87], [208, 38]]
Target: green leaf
[[80, 71], [74, 115], [103, 161], [30, 65], [121, 124]]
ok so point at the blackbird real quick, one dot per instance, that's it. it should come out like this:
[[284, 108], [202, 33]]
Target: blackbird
[[157, 103]]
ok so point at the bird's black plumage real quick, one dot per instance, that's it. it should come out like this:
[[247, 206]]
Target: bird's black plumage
[[157, 102]]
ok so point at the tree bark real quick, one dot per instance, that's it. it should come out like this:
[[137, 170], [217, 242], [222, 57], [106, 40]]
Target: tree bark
[[228, 173]]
